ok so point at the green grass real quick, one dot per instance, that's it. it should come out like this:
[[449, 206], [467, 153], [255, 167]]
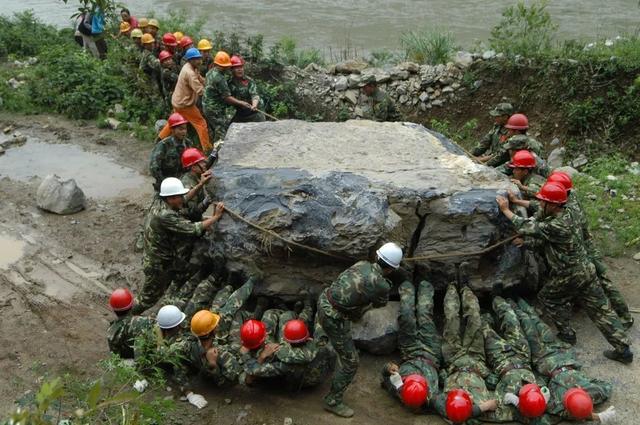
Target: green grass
[[428, 46], [614, 220]]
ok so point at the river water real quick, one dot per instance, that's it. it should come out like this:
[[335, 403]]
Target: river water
[[366, 24]]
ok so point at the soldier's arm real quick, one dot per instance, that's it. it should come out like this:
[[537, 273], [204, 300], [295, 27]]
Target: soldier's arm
[[229, 366], [180, 225], [483, 144], [253, 91], [157, 154], [498, 159], [225, 94], [264, 370], [381, 297]]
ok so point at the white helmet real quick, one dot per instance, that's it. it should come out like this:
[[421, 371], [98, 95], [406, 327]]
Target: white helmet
[[172, 186], [169, 317], [391, 254]]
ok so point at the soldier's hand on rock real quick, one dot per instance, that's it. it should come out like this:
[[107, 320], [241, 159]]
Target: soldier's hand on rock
[[219, 210], [503, 203], [518, 183], [212, 356], [518, 242], [512, 196]]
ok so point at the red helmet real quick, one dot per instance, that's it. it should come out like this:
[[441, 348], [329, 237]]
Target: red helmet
[[186, 42], [578, 403], [176, 119], [528, 387], [532, 403], [518, 122], [191, 156], [295, 331], [236, 61], [164, 55], [562, 178], [253, 333], [121, 300], [415, 391], [458, 406], [169, 40], [552, 192], [523, 159]]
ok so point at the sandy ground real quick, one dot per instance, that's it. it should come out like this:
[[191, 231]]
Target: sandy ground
[[56, 271]]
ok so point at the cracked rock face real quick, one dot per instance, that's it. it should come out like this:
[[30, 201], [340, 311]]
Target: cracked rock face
[[346, 188]]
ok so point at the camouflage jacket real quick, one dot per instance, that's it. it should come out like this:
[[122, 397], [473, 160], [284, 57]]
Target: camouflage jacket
[[169, 80], [165, 234], [600, 391], [122, 332], [165, 159], [415, 366], [560, 239], [490, 143], [357, 289], [216, 90], [533, 183], [227, 370], [149, 63], [196, 206], [380, 107], [515, 142], [579, 217], [207, 63], [246, 90]]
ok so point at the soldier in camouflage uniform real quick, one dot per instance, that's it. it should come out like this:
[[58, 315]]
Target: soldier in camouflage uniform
[[556, 360], [245, 89], [378, 106], [418, 341], [149, 62], [523, 164], [508, 356], [166, 234], [463, 350], [169, 75], [361, 287], [490, 143], [123, 330], [512, 145], [166, 154], [572, 276]]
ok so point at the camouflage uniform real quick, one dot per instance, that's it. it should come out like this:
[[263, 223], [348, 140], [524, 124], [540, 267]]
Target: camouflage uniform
[[169, 80], [196, 206], [509, 357], [571, 276], [463, 354], [246, 90], [557, 361], [490, 143], [618, 303], [380, 107], [418, 339], [214, 107], [357, 289], [165, 159], [207, 64], [515, 143], [150, 65], [122, 332], [167, 236], [533, 182]]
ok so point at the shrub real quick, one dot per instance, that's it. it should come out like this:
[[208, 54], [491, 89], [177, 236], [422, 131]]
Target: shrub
[[526, 31], [286, 51], [428, 46], [24, 35]]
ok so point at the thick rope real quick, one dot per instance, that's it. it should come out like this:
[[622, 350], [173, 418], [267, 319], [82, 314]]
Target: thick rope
[[268, 115], [453, 254]]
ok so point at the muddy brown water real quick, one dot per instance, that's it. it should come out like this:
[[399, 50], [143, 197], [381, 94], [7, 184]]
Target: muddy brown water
[[366, 24], [97, 175]]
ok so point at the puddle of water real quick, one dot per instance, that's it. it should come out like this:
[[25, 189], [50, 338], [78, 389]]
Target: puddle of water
[[97, 175], [11, 250]]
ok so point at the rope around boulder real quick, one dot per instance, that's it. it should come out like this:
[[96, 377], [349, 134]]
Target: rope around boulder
[[289, 242]]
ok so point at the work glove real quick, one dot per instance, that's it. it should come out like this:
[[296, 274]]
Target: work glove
[[511, 398], [546, 394], [608, 416], [140, 386], [197, 400], [396, 380]]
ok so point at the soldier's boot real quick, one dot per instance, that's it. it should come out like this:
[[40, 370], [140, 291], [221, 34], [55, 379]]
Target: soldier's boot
[[568, 337], [625, 356], [338, 409]]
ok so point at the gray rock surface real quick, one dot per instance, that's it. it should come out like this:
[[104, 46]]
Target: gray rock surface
[[377, 331], [346, 188], [556, 158], [342, 83], [350, 67], [60, 197]]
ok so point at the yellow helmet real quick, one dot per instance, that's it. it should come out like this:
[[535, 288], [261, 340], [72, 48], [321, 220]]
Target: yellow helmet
[[148, 39], [204, 44], [143, 22], [178, 35], [125, 26], [154, 23], [136, 33], [222, 59], [204, 322]]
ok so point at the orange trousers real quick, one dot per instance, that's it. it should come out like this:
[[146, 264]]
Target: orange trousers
[[195, 118]]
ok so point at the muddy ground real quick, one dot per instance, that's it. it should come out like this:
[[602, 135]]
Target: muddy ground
[[56, 271]]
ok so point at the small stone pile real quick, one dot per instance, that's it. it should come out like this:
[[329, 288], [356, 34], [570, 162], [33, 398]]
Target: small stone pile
[[410, 85]]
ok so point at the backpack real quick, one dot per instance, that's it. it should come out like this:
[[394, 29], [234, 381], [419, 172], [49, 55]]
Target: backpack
[[85, 24]]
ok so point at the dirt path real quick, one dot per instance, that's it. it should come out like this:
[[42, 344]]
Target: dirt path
[[55, 272]]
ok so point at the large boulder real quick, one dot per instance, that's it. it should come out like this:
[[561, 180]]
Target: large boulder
[[60, 196], [377, 331], [346, 188]]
